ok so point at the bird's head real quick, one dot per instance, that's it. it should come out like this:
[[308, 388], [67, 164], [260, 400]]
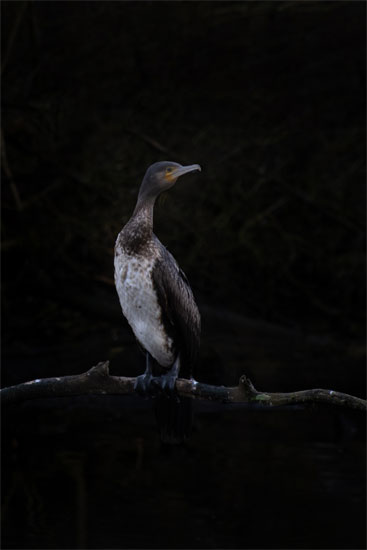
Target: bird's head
[[163, 175]]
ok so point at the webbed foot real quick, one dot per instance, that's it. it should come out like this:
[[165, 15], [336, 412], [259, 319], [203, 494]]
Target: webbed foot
[[144, 385], [166, 384], [148, 385]]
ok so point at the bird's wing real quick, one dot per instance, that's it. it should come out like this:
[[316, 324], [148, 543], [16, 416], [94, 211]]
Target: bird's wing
[[178, 304]]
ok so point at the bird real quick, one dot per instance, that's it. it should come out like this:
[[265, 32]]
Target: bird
[[159, 305]]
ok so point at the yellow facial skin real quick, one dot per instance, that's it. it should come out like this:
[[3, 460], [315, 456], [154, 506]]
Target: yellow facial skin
[[170, 175], [173, 172]]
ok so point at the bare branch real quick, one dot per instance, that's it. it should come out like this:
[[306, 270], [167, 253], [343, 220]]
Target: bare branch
[[98, 381], [9, 174], [13, 35]]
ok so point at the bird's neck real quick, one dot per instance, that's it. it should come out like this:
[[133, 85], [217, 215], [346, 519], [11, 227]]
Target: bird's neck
[[138, 231], [143, 213]]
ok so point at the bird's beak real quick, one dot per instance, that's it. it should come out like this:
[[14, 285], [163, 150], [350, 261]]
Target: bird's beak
[[181, 170]]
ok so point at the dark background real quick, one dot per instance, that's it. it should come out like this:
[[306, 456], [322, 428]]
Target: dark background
[[269, 98]]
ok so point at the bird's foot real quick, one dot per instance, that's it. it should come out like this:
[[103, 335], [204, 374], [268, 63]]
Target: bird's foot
[[166, 385], [144, 385]]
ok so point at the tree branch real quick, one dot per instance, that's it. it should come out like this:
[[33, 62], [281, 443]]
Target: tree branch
[[97, 380]]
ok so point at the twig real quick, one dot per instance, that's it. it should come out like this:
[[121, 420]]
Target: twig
[[13, 35], [151, 141], [157, 145], [97, 380], [9, 174]]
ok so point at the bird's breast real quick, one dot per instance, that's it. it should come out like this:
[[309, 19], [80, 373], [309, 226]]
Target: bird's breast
[[139, 303]]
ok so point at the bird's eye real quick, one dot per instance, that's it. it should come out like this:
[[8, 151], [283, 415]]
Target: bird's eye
[[168, 170]]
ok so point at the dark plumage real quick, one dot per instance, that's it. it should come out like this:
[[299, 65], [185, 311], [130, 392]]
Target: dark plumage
[[158, 303]]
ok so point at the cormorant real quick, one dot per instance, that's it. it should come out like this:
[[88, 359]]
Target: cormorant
[[158, 303]]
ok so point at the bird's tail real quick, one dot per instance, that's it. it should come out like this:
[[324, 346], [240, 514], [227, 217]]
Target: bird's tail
[[174, 419]]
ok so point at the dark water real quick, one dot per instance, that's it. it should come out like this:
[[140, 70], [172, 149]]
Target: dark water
[[89, 473]]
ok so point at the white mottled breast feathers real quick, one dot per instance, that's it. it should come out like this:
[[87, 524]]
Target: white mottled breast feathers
[[140, 305]]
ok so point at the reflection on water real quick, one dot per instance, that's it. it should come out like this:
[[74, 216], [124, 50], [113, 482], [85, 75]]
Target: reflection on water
[[89, 473]]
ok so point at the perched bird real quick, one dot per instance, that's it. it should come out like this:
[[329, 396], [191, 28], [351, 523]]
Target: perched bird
[[159, 305]]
